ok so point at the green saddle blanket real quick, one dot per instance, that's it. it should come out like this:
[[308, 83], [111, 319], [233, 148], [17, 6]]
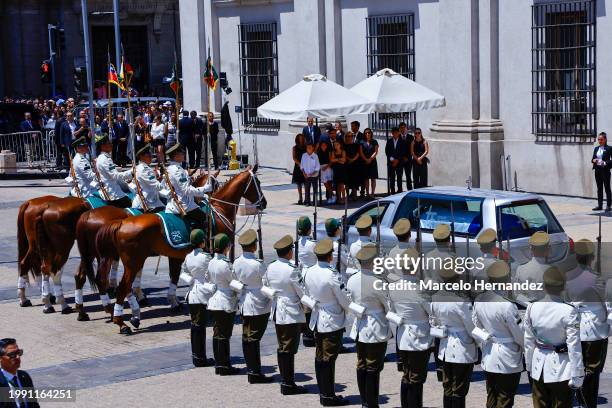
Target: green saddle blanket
[[95, 201], [178, 229], [134, 211]]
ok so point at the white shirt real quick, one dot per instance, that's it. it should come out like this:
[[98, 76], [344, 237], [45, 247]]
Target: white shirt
[[83, 174], [323, 284], [221, 274], [394, 146], [149, 187], [306, 255], [251, 271], [110, 177], [157, 131], [185, 192], [194, 272], [310, 164], [283, 276]]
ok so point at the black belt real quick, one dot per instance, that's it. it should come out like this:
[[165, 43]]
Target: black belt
[[559, 348]]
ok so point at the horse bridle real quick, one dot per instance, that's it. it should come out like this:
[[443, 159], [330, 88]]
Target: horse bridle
[[260, 196]]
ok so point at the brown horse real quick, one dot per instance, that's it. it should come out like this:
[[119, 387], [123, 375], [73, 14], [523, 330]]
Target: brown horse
[[136, 238], [30, 214], [87, 227]]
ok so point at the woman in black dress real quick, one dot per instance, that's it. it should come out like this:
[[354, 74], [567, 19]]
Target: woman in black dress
[[368, 152], [419, 149], [298, 177], [352, 166], [337, 158]]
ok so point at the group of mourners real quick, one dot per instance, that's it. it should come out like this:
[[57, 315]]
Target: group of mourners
[[313, 289]]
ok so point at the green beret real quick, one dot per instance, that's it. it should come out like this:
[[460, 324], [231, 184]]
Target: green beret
[[81, 141], [487, 236], [367, 253], [102, 139], [176, 148], [248, 238], [441, 232], [331, 225], [498, 269], [364, 222], [197, 237], [324, 247], [303, 224], [283, 243], [554, 277], [584, 247], [146, 149], [221, 241], [401, 227], [539, 239]]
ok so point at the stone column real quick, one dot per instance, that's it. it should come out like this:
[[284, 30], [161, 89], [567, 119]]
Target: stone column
[[333, 39], [193, 47], [310, 22]]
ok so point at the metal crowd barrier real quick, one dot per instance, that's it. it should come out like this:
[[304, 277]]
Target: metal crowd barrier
[[32, 149]]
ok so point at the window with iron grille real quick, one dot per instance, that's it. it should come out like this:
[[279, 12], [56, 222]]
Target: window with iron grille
[[563, 71], [258, 71], [390, 44]]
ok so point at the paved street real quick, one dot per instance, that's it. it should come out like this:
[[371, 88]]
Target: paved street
[[153, 366]]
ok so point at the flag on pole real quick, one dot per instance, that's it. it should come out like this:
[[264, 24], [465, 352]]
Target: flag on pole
[[113, 78], [125, 74], [210, 75], [173, 80]]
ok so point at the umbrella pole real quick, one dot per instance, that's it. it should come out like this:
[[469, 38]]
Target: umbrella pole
[[388, 168], [319, 177]]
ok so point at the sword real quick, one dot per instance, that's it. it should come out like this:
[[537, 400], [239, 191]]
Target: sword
[[261, 256]]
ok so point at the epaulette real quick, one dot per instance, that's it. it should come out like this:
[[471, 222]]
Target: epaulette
[[259, 260], [292, 265], [569, 304]]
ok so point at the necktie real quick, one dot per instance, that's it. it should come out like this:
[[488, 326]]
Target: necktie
[[21, 402]]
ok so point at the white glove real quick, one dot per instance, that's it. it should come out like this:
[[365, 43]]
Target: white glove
[[576, 382]]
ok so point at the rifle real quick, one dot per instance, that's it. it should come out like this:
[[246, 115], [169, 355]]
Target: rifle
[[261, 255], [453, 242], [500, 232], [145, 206], [233, 249], [297, 246], [599, 249], [341, 241], [419, 244], [314, 215], [100, 184], [172, 191], [78, 189], [378, 227]]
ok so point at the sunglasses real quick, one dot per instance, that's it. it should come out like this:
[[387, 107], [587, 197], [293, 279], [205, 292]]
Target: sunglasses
[[14, 354]]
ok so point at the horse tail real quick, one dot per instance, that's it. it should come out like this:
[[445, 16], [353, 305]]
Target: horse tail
[[87, 257], [106, 240], [23, 246]]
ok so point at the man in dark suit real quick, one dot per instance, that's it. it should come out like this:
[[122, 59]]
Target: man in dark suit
[[67, 135], [602, 162], [186, 138], [27, 125], [407, 138], [395, 151], [120, 141], [212, 129], [11, 377], [312, 132], [198, 136], [359, 137], [57, 138]]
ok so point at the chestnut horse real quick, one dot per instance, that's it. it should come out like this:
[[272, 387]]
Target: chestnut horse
[[136, 238], [28, 255], [87, 227]]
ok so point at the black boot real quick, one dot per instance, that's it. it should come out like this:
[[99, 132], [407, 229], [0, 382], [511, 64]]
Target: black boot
[[590, 388], [372, 384], [286, 367], [328, 397], [458, 402], [253, 362], [198, 347], [405, 395], [361, 384], [223, 367], [447, 402], [216, 355], [416, 391]]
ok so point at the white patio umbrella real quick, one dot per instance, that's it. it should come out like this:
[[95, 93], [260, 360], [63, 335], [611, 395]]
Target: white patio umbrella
[[392, 93], [315, 96]]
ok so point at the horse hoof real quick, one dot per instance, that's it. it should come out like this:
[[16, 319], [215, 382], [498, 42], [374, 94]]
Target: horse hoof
[[49, 310], [176, 309], [83, 317], [125, 330], [52, 299], [144, 302], [135, 322], [67, 310], [25, 303]]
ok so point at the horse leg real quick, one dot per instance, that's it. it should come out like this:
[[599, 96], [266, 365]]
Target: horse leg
[[112, 284], [137, 291], [104, 265], [45, 295], [79, 281], [175, 271], [58, 291], [131, 266], [21, 291]]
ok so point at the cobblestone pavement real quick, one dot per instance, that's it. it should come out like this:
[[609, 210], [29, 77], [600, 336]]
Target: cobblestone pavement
[[153, 368]]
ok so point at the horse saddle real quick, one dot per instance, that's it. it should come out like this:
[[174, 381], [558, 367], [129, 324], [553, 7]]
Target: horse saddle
[[177, 229]]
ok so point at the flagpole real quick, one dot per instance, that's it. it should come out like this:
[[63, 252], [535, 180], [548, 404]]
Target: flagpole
[[176, 102], [108, 95]]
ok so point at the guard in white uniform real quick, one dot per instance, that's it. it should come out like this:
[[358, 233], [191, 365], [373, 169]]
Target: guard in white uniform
[[306, 258], [413, 339], [370, 329], [194, 272], [110, 177], [254, 305], [486, 242], [499, 331], [81, 175], [222, 305], [586, 291], [149, 184], [182, 193], [533, 271], [364, 228], [287, 312], [452, 318], [330, 302], [553, 354]]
